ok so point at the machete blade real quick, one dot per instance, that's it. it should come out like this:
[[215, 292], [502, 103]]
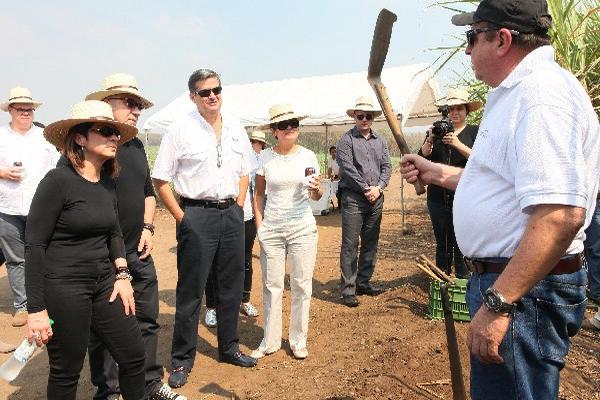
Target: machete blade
[[381, 42]]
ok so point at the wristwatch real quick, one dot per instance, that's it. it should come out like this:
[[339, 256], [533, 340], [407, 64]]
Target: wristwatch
[[149, 227], [496, 303]]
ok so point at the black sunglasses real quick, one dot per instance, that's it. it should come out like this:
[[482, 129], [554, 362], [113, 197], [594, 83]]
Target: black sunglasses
[[368, 117], [472, 34], [206, 92], [132, 104], [107, 131], [283, 125]]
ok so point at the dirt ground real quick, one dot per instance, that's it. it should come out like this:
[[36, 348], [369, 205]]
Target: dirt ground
[[385, 349]]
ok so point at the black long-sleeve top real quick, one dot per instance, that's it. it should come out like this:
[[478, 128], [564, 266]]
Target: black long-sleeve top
[[363, 162], [439, 154], [72, 229], [133, 186]]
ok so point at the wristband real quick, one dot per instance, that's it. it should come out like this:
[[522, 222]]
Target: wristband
[[124, 275], [149, 227]]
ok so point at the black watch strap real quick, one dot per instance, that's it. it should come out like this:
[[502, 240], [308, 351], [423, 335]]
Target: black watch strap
[[496, 303], [150, 227]]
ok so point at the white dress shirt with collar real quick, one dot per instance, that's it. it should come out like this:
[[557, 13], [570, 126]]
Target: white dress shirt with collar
[[199, 168], [37, 156]]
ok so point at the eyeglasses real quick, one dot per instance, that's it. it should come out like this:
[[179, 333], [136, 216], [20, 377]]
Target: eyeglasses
[[107, 131], [283, 125], [132, 104], [368, 117], [219, 156], [206, 92], [23, 110], [472, 33]]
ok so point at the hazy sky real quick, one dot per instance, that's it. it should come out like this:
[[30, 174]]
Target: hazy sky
[[62, 49]]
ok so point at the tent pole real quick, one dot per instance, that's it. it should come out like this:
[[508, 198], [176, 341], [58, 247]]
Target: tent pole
[[326, 142]]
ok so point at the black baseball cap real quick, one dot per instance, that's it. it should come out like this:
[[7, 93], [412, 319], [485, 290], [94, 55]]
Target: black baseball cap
[[521, 15]]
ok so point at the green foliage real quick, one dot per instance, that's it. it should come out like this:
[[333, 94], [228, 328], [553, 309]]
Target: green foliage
[[575, 36]]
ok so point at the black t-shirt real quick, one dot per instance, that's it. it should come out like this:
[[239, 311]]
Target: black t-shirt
[[72, 229], [133, 185], [440, 155]]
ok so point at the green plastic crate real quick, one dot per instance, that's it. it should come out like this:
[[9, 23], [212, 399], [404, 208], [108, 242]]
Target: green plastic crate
[[457, 296]]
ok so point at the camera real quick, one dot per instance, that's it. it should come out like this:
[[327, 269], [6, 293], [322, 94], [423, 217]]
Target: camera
[[444, 126]]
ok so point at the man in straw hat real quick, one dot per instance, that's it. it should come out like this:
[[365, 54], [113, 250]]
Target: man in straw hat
[[137, 205], [365, 170], [258, 142], [207, 156], [25, 158], [522, 202]]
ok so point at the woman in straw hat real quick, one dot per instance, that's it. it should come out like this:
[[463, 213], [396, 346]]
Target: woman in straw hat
[[76, 270], [287, 228], [454, 149]]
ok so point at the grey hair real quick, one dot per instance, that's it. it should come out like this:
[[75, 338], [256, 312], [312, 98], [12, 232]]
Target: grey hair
[[201, 75]]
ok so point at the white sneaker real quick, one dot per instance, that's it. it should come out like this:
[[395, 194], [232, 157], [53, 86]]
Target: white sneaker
[[165, 393], [300, 354], [210, 319], [249, 310], [258, 353]]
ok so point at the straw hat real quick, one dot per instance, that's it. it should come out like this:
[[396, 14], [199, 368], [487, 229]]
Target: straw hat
[[19, 95], [281, 112], [87, 111], [364, 103], [259, 136], [457, 97], [119, 83]]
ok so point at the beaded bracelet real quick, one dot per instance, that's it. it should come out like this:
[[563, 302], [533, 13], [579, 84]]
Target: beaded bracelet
[[124, 275]]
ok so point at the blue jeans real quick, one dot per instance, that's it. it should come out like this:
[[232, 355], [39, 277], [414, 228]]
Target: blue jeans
[[537, 339], [12, 236], [592, 252]]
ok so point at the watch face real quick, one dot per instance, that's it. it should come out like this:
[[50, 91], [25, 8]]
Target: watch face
[[493, 302]]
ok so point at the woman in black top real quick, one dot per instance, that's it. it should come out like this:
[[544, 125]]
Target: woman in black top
[[453, 149], [76, 271]]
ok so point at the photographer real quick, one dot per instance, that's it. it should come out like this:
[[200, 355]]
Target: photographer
[[449, 141]]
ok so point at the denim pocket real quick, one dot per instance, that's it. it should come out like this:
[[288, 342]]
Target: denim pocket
[[555, 323]]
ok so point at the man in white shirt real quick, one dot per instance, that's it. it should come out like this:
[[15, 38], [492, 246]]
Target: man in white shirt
[[25, 158], [522, 202], [206, 156]]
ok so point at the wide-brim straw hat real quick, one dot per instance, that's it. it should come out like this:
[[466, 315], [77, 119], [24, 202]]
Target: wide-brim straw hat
[[116, 84], [19, 95], [457, 96], [281, 112], [87, 111], [259, 136], [365, 104]]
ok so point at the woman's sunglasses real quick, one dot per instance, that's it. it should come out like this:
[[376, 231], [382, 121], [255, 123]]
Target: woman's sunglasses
[[107, 131], [206, 92], [283, 125]]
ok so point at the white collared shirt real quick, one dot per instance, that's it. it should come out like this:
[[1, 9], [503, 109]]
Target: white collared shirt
[[188, 156], [37, 156], [538, 143]]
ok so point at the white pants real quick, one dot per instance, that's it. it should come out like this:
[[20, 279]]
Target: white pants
[[297, 240]]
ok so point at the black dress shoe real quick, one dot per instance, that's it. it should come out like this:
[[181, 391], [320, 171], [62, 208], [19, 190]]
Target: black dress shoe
[[350, 300], [178, 377], [369, 290], [239, 359]]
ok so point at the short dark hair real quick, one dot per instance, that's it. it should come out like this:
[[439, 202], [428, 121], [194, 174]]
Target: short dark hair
[[201, 75], [526, 41], [74, 152], [331, 148]]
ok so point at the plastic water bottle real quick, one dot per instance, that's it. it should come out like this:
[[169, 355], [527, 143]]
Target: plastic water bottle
[[13, 366]]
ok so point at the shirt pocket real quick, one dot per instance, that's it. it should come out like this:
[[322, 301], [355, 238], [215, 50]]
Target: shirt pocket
[[193, 160], [233, 157]]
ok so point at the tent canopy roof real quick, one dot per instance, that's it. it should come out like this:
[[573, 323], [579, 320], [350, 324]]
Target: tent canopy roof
[[411, 89]]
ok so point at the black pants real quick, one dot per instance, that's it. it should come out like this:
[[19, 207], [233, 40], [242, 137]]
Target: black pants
[[446, 249], [104, 371], [360, 220], [249, 236], [208, 239], [78, 304]]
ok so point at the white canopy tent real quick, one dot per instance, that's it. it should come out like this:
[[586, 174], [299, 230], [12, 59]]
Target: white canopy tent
[[412, 91]]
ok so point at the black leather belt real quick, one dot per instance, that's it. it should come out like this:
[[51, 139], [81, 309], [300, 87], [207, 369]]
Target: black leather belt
[[220, 204], [564, 266]]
